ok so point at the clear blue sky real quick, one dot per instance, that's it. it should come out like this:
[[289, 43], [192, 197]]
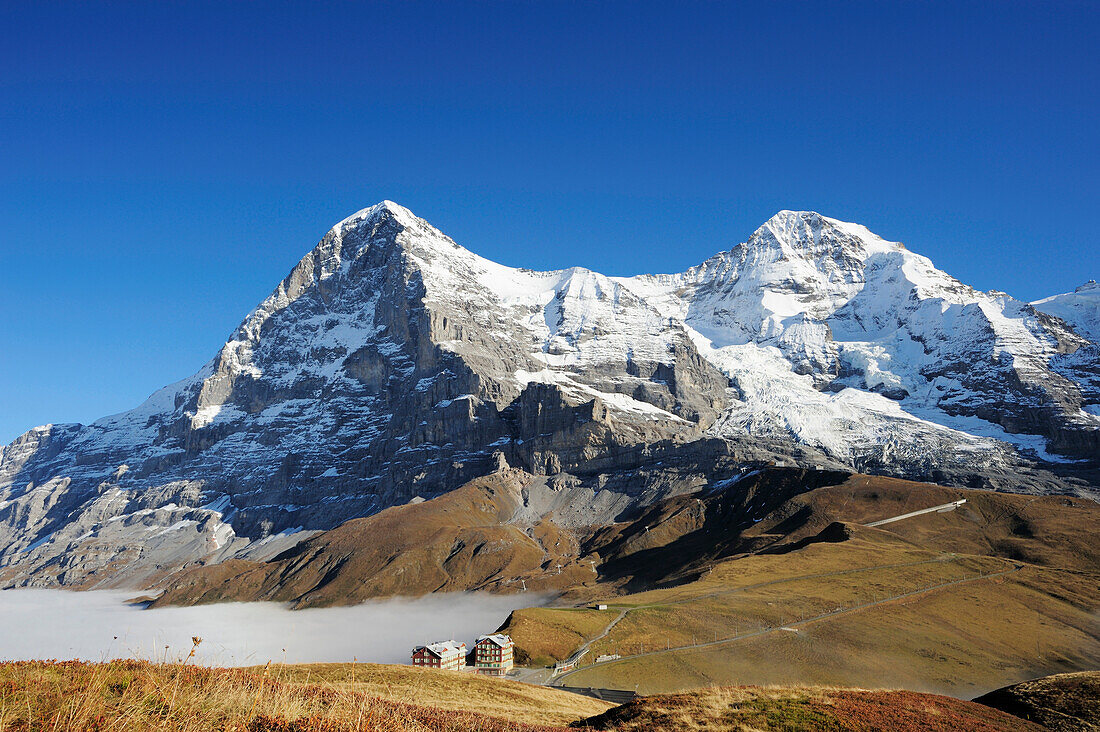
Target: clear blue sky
[[163, 165]]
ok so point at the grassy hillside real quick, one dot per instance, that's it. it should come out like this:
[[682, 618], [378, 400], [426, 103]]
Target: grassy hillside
[[1063, 703], [471, 539], [805, 710], [773, 580], [134, 695], [550, 634], [1049, 531], [498, 698], [941, 602], [459, 541]]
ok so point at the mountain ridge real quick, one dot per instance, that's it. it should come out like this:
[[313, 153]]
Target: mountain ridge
[[392, 363]]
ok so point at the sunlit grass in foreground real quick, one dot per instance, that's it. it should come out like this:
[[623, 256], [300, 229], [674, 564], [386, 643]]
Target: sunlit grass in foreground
[[139, 695]]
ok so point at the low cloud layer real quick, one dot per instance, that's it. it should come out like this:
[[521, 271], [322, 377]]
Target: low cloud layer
[[64, 625]]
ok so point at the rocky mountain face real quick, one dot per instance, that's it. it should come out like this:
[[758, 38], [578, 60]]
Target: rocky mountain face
[[393, 365]]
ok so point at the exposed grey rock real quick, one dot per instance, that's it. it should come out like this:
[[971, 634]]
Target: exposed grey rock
[[392, 365]]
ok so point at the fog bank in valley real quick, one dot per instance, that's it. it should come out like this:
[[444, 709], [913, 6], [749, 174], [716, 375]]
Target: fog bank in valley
[[36, 623]]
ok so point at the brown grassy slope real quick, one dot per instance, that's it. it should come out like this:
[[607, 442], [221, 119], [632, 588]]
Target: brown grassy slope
[[1052, 531], [458, 541], [135, 695], [676, 539], [1064, 702], [499, 698], [556, 632], [963, 639], [551, 634], [464, 540], [805, 710]]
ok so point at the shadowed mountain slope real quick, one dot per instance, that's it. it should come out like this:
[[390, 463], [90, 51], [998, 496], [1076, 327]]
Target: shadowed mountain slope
[[493, 534], [1064, 702], [774, 709]]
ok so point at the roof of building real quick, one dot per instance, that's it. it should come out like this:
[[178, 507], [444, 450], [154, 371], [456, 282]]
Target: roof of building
[[499, 638], [441, 648]]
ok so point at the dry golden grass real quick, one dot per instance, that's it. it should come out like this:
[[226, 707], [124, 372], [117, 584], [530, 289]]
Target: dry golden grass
[[1051, 531], [136, 695], [963, 639], [805, 710], [734, 611], [552, 634], [500, 698]]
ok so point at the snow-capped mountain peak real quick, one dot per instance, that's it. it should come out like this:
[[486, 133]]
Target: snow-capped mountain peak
[[809, 234], [392, 362], [370, 212]]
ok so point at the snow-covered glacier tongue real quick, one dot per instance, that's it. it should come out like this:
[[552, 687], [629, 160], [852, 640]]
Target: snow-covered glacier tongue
[[393, 364]]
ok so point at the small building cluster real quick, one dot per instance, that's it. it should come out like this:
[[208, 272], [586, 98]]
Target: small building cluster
[[493, 655], [443, 656]]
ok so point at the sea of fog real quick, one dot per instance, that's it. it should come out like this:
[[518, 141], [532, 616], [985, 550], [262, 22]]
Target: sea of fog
[[99, 625]]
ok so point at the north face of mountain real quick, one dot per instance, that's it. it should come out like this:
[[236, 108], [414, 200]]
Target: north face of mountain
[[392, 365]]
